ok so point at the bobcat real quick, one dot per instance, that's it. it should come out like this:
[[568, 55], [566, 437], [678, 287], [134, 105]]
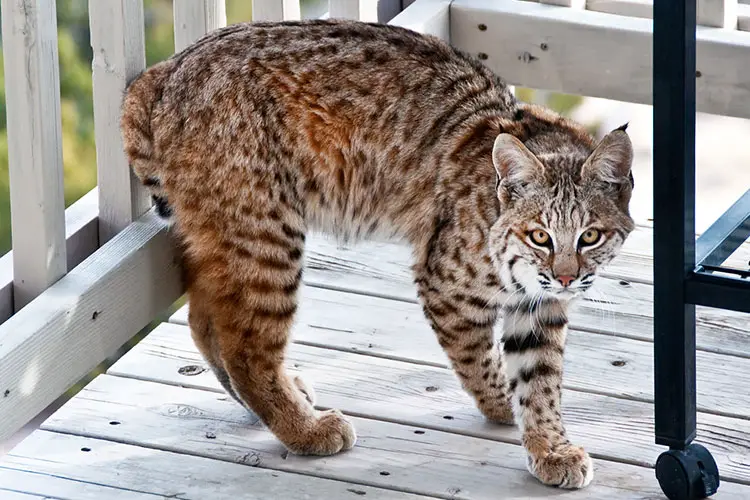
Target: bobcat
[[260, 132]]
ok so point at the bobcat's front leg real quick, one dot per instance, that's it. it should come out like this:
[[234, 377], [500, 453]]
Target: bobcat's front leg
[[534, 339], [461, 302]]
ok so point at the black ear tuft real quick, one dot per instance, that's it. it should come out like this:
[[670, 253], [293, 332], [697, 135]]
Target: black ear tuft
[[623, 127]]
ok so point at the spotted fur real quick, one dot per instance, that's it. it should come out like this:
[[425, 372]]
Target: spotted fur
[[258, 133]]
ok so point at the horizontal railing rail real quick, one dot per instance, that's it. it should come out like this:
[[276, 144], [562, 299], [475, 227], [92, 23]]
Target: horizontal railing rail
[[584, 52]]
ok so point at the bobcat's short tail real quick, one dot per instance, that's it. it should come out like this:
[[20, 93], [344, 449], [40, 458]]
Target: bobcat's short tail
[[136, 128]]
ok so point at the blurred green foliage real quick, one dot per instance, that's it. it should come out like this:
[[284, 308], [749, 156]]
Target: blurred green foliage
[[79, 152]]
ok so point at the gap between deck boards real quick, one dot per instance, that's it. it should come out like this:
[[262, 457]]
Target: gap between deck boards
[[19, 495]]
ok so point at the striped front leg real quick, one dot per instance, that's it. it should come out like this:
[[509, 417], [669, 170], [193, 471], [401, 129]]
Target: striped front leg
[[463, 321], [534, 341]]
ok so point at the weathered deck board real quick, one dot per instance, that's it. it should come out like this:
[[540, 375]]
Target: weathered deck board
[[593, 362], [436, 463], [44, 484], [419, 395], [54, 465]]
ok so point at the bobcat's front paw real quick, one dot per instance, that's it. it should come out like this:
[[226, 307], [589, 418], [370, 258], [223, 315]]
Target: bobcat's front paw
[[567, 467], [330, 433]]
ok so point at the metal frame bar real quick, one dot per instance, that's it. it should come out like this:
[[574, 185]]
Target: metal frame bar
[[674, 220], [725, 235], [723, 292]]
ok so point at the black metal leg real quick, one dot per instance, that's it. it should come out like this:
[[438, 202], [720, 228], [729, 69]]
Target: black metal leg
[[674, 219], [687, 471]]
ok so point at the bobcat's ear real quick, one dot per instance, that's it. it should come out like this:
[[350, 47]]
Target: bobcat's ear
[[609, 166], [515, 165], [612, 159]]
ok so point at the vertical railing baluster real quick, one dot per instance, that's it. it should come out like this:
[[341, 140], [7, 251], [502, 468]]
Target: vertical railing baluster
[[32, 92], [117, 41], [195, 18], [276, 10], [717, 13], [362, 10]]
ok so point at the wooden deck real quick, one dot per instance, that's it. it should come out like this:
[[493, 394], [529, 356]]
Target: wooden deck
[[157, 425]]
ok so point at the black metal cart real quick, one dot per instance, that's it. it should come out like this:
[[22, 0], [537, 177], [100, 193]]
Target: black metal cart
[[686, 272]]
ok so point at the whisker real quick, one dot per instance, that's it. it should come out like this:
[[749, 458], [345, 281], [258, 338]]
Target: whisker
[[515, 292], [604, 306], [534, 314], [492, 299]]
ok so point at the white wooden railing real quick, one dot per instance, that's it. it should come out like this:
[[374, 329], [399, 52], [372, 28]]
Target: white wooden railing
[[80, 282]]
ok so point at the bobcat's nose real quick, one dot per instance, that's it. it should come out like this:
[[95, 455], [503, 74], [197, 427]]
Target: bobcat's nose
[[566, 280]]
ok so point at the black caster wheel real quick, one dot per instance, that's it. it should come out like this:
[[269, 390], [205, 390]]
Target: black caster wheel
[[687, 475]]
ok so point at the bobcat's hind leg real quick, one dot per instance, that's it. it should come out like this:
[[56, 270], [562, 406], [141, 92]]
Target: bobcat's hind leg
[[204, 339], [247, 276]]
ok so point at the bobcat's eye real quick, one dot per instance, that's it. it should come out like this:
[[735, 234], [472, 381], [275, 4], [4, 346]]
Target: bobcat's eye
[[590, 237], [539, 237]]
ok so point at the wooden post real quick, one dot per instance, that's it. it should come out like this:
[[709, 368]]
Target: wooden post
[[195, 18], [117, 40], [32, 90], [361, 10], [717, 13], [276, 10]]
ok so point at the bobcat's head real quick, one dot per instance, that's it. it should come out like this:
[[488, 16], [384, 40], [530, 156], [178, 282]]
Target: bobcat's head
[[563, 215]]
